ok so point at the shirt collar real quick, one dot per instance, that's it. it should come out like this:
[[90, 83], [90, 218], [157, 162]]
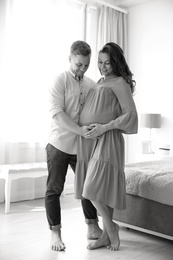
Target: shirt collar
[[75, 76]]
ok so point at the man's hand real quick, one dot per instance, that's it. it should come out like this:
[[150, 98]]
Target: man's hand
[[85, 130], [95, 130]]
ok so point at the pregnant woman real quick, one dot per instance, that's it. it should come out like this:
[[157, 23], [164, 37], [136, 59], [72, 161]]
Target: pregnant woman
[[109, 111]]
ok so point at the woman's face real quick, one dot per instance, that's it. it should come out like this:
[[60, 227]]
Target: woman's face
[[104, 64]]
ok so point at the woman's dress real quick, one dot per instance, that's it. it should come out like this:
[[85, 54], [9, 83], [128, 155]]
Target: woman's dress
[[100, 162]]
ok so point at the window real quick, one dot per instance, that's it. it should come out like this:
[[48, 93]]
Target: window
[[38, 35]]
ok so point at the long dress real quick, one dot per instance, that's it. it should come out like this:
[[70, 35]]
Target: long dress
[[99, 172]]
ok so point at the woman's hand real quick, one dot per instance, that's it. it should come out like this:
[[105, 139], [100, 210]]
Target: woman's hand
[[95, 130], [84, 130]]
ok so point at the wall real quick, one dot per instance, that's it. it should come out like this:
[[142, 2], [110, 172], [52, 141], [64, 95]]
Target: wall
[[150, 41]]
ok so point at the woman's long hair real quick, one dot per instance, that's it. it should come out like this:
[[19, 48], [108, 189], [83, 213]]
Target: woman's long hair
[[118, 63]]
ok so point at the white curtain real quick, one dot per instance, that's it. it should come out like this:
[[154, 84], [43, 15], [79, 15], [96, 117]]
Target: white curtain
[[35, 39], [37, 35], [112, 26]]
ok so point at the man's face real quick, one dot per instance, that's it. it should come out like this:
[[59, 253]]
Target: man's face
[[79, 64]]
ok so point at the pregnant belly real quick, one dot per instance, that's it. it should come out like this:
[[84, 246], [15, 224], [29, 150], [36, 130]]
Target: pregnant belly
[[99, 107], [88, 117]]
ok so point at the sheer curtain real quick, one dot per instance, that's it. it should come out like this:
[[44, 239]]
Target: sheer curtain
[[37, 36], [35, 40], [112, 26], [105, 24]]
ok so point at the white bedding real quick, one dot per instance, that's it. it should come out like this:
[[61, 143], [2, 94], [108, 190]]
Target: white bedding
[[151, 180]]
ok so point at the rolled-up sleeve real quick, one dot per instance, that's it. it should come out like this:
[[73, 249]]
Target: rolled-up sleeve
[[57, 96], [127, 121]]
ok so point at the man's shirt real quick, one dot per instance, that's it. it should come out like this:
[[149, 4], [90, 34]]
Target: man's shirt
[[68, 94]]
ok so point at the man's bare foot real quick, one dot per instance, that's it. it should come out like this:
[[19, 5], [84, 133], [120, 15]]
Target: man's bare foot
[[56, 241], [94, 231], [101, 242], [114, 238]]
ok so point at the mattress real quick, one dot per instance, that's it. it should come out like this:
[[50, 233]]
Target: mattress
[[151, 180]]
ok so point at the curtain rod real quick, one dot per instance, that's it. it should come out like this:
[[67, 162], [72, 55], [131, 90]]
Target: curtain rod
[[104, 2]]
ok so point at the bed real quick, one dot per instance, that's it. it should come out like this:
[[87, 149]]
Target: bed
[[149, 197]]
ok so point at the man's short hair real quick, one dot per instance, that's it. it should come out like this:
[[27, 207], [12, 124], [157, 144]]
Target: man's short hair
[[80, 48]]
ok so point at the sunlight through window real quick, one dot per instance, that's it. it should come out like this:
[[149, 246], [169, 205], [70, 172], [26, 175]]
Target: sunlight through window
[[38, 36]]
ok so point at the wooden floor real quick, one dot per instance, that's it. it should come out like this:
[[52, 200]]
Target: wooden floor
[[24, 235]]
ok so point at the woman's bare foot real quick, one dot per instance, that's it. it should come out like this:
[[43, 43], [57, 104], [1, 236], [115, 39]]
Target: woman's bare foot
[[56, 241], [101, 242], [114, 238], [94, 231]]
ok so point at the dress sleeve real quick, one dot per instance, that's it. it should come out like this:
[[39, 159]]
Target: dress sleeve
[[56, 96], [127, 121]]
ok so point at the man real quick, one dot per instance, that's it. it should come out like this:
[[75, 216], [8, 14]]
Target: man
[[67, 96]]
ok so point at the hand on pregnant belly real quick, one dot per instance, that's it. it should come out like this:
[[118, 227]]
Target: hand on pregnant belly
[[85, 130], [96, 131]]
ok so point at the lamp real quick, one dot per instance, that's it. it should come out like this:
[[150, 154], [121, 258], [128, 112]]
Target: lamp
[[150, 121]]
